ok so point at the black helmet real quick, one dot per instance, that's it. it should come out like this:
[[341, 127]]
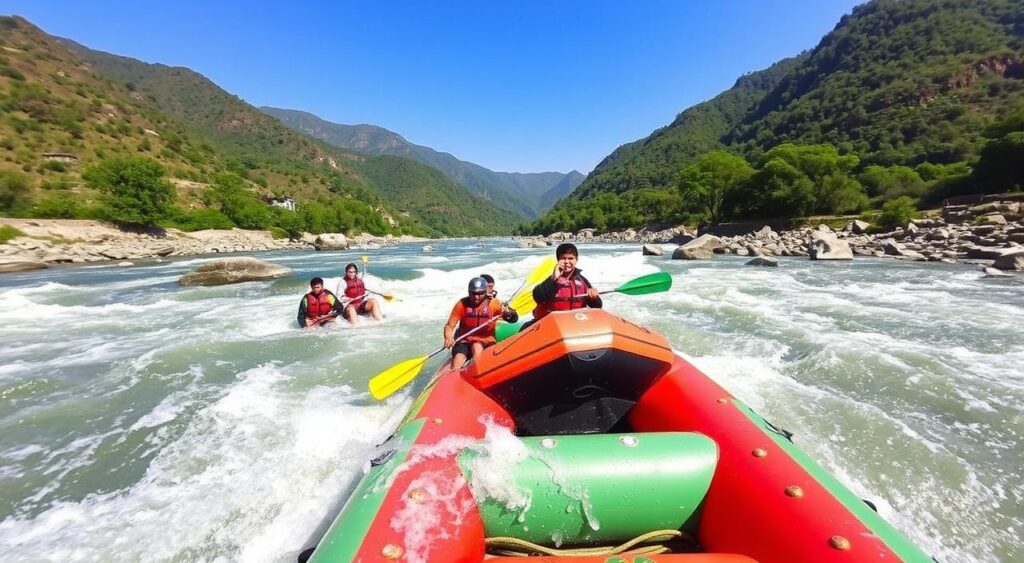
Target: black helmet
[[478, 285]]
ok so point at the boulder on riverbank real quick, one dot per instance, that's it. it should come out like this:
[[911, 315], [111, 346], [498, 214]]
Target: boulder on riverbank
[[20, 265], [234, 270], [700, 248], [825, 245], [330, 241]]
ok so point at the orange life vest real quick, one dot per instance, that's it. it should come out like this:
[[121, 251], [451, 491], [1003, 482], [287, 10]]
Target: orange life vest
[[473, 317]]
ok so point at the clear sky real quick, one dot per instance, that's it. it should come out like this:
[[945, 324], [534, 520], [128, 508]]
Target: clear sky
[[517, 86]]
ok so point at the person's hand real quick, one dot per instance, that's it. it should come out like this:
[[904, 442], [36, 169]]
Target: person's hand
[[308, 321], [592, 293], [557, 273], [449, 342]]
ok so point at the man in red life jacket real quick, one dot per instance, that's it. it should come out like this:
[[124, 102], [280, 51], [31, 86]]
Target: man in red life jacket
[[359, 301], [566, 289], [319, 306], [472, 311]]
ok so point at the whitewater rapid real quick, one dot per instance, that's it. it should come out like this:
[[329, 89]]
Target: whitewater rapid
[[140, 420]]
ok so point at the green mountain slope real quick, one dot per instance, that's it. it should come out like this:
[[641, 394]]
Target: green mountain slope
[[522, 193], [237, 129], [897, 82]]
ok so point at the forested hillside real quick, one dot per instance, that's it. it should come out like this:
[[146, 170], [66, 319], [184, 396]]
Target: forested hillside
[[69, 112], [526, 194], [901, 99]]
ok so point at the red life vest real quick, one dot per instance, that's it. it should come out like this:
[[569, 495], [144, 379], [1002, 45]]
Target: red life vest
[[317, 306], [571, 294], [474, 317], [354, 288]]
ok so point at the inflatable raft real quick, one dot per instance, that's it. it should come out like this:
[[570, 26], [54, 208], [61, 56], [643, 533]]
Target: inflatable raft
[[586, 437]]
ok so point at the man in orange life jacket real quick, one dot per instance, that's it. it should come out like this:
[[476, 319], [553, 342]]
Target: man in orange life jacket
[[566, 289], [319, 306], [354, 290], [472, 311]]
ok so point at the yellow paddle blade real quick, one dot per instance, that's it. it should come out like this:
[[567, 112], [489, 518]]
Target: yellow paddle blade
[[364, 259], [540, 272], [395, 377], [524, 303]]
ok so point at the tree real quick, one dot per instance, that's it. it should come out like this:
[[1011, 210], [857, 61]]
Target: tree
[[897, 213], [134, 189], [890, 183], [709, 181], [13, 190], [1000, 167]]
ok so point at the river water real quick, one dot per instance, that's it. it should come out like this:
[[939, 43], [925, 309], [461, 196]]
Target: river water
[[140, 420]]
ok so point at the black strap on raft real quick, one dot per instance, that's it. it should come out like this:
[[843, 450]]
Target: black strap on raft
[[779, 430]]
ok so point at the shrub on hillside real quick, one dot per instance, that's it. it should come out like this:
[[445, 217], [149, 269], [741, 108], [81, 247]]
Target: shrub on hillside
[[14, 191], [134, 189], [202, 219], [8, 232], [897, 213], [58, 207]]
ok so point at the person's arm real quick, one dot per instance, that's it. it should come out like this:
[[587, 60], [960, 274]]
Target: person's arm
[[507, 313], [592, 302], [449, 327], [336, 306], [302, 312], [545, 291]]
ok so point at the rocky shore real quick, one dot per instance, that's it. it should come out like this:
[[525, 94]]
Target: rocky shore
[[59, 241], [989, 234]]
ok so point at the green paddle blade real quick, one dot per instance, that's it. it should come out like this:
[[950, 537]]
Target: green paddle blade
[[395, 377], [651, 283], [505, 330]]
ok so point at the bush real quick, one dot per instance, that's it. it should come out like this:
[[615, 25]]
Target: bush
[[55, 166], [134, 189], [201, 219], [58, 207], [8, 232], [13, 190], [278, 233], [897, 213]]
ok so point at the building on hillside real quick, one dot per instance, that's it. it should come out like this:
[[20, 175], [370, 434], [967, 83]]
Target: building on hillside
[[287, 202], [60, 157]]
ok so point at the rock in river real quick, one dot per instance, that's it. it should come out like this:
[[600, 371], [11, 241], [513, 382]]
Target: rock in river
[[234, 270]]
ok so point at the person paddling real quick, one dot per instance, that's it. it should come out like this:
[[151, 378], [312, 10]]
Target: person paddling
[[319, 306], [491, 292], [470, 312], [355, 291], [566, 289]]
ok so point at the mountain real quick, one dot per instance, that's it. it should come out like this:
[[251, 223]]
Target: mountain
[[527, 194], [197, 130], [895, 83]]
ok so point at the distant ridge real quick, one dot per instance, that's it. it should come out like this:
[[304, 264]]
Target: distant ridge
[[527, 194]]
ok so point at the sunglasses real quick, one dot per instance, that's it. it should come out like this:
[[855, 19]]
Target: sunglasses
[[477, 292]]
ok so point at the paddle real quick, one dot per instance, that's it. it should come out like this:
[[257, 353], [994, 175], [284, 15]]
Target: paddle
[[651, 283], [387, 296], [385, 383]]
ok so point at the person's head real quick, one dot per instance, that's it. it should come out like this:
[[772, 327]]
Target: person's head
[[316, 285], [567, 254], [351, 270], [490, 283], [477, 290]]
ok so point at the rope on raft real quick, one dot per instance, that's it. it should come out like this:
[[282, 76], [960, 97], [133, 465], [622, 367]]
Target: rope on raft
[[515, 547]]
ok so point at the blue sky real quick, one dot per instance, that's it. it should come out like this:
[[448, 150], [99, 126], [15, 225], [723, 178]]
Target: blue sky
[[513, 86]]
